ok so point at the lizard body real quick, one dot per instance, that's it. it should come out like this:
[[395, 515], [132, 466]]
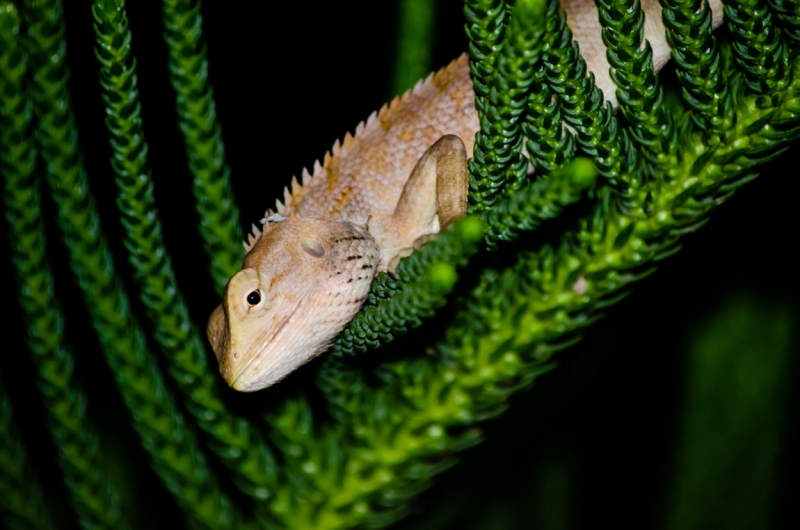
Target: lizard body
[[375, 197]]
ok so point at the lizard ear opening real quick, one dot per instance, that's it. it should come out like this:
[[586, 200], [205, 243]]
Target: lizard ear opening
[[312, 248]]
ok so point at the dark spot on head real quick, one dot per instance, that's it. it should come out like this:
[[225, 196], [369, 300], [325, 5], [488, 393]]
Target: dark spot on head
[[366, 266], [350, 280]]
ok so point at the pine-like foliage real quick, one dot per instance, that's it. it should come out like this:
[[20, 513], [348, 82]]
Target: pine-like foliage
[[362, 438]]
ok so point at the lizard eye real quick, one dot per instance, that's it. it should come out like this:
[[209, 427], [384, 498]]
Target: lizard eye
[[254, 298], [312, 247]]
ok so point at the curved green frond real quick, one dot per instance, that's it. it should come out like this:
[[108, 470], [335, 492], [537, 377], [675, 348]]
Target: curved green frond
[[234, 440], [698, 63], [155, 415], [403, 430], [498, 167], [583, 108], [414, 42], [202, 139], [639, 91], [424, 279], [396, 305], [79, 458], [757, 45], [788, 14], [549, 143], [485, 28]]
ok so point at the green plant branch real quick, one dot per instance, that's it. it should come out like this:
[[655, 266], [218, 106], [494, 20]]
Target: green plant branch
[[757, 45], [788, 14], [485, 29], [233, 439], [639, 91], [698, 64], [415, 31], [400, 432], [565, 288], [740, 351], [549, 144], [583, 107], [427, 277], [539, 201], [434, 276], [95, 502], [202, 139], [176, 457], [398, 305], [399, 426], [497, 166]]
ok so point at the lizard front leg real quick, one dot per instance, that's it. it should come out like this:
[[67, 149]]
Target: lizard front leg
[[434, 197]]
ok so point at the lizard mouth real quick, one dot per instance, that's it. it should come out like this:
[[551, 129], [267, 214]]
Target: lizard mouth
[[233, 382]]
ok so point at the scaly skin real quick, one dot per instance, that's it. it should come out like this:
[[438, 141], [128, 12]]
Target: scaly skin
[[304, 277], [375, 198]]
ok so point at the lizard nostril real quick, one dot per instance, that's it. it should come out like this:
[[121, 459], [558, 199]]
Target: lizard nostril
[[235, 355]]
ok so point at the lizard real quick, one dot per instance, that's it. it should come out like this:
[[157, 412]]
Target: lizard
[[375, 198]]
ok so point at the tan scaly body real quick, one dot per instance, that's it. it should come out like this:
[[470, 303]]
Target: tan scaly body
[[365, 173], [361, 207]]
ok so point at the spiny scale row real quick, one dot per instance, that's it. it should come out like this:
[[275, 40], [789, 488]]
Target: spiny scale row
[[294, 193]]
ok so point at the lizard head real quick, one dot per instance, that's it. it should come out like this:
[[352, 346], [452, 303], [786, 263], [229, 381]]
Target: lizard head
[[301, 282]]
